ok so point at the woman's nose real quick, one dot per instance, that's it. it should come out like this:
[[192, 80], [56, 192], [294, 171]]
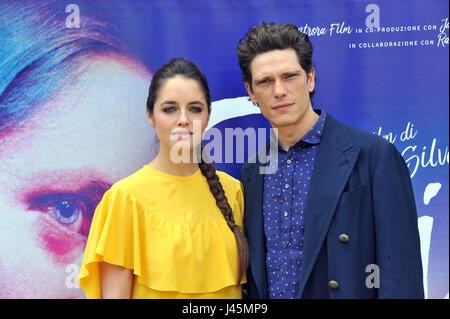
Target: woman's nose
[[183, 119]]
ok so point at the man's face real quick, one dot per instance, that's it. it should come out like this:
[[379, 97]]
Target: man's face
[[281, 87]]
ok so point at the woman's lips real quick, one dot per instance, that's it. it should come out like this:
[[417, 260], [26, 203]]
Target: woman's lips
[[282, 107], [181, 134]]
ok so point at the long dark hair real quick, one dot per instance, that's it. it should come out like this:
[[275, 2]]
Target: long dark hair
[[183, 67]]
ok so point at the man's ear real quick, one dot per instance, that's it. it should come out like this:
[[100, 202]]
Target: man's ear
[[311, 80], [150, 118], [250, 93]]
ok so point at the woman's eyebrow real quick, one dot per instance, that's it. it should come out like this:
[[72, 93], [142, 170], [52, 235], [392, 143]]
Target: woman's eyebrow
[[175, 103], [195, 102], [59, 180], [168, 103], [91, 189]]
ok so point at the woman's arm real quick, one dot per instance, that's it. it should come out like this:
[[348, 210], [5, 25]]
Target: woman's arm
[[116, 281]]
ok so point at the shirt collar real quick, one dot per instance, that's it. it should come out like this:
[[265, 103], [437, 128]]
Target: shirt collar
[[315, 133], [313, 136]]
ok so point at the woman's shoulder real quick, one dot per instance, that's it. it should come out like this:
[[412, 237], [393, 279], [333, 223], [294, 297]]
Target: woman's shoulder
[[133, 184], [232, 186], [227, 179], [234, 191]]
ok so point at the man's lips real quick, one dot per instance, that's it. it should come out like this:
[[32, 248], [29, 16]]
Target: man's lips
[[281, 107]]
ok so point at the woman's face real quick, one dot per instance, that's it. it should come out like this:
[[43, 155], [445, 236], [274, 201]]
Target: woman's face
[[180, 114], [55, 169]]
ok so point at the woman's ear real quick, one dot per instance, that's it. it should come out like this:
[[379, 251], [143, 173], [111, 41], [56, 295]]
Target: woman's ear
[[150, 118]]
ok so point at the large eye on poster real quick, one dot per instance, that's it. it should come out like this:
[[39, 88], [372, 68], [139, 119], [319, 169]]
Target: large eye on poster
[[74, 81], [72, 122]]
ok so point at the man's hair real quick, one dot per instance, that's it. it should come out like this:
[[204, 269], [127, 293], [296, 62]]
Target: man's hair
[[267, 37]]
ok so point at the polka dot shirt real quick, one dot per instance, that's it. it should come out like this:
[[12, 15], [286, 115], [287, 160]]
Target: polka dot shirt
[[285, 194]]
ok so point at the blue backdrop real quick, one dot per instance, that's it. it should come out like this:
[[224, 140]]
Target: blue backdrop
[[382, 67]]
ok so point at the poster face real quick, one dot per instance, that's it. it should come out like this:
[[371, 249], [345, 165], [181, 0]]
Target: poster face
[[74, 78]]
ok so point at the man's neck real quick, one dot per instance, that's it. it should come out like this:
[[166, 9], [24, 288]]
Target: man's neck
[[290, 135]]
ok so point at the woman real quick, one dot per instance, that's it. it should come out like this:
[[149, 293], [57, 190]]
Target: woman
[[173, 229]]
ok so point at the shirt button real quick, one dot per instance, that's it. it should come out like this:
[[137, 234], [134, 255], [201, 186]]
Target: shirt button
[[286, 186], [289, 161], [333, 284], [344, 238], [286, 214]]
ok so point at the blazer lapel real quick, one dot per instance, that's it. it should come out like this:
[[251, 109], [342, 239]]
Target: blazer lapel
[[334, 162], [255, 226]]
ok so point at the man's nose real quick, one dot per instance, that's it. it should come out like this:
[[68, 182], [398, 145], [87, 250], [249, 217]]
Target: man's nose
[[279, 89]]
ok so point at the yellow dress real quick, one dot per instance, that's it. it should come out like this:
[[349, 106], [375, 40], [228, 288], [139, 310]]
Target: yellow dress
[[170, 232]]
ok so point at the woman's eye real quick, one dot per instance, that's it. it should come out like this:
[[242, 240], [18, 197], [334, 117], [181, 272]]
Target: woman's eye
[[73, 210], [65, 208], [66, 211], [196, 109], [169, 109]]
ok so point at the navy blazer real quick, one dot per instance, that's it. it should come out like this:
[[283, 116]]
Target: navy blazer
[[361, 233]]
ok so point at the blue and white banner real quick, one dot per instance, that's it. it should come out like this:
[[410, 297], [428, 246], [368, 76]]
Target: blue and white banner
[[74, 78]]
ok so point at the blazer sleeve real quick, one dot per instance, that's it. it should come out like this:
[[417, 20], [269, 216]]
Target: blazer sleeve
[[397, 234]]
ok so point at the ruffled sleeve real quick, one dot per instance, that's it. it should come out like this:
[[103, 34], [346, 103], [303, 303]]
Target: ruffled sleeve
[[175, 242], [115, 237], [238, 209]]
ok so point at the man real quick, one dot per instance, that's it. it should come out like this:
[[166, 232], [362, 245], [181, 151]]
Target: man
[[337, 219]]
